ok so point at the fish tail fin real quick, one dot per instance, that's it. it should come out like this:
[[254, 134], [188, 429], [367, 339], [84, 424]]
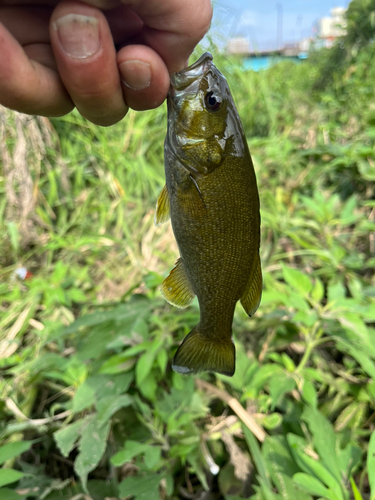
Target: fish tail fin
[[199, 352]]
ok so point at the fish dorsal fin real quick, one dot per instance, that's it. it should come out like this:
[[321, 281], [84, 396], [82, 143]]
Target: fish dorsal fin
[[253, 292], [176, 288], [162, 213]]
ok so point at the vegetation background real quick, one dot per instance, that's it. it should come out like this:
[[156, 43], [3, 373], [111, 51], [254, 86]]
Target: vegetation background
[[90, 408]]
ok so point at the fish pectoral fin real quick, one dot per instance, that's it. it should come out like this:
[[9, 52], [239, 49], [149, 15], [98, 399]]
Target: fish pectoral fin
[[253, 292], [176, 288], [162, 212], [199, 352]]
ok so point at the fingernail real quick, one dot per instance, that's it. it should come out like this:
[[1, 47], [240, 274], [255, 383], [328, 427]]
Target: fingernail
[[78, 35], [135, 74]]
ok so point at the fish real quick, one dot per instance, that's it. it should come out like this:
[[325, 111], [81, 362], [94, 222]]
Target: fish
[[211, 198]]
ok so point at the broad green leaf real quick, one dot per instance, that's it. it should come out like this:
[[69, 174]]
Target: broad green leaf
[[355, 287], [317, 293], [162, 360], [91, 447], [289, 490], [170, 484], [366, 170], [132, 449], [260, 378], [83, 398], [59, 272], [108, 406], [297, 302], [297, 446], [125, 314], [336, 292], [309, 393], [359, 354], [321, 473], [144, 366], [152, 456], [288, 362], [307, 318], [14, 449], [312, 485], [371, 464], [324, 439], [9, 476], [297, 280], [279, 384], [8, 494], [117, 364], [93, 344], [66, 438], [281, 467], [114, 385], [273, 297], [142, 487], [149, 387], [278, 458]]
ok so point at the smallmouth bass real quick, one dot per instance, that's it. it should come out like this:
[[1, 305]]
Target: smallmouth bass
[[211, 197]]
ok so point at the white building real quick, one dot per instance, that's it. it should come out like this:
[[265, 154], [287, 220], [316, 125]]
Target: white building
[[334, 26], [238, 45]]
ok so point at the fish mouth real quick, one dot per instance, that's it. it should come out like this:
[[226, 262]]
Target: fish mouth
[[188, 76]]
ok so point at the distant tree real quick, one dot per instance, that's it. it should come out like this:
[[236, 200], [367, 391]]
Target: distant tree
[[360, 22], [360, 32]]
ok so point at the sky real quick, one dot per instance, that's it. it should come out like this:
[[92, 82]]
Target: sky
[[257, 19]]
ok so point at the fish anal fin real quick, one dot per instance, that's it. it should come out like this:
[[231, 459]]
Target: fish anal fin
[[200, 352], [176, 288], [253, 292], [162, 212]]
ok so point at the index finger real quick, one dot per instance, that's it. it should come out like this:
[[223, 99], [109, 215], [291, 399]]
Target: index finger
[[172, 27]]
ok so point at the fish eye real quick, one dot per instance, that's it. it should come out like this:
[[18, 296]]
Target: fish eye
[[212, 102]]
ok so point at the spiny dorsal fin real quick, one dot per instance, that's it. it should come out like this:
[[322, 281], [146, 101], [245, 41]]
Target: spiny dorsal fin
[[199, 352], [176, 288], [162, 207], [253, 292]]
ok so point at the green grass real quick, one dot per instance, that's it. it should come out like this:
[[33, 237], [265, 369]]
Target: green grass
[[89, 403]]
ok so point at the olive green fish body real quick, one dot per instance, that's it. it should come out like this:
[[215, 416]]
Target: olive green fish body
[[212, 198]]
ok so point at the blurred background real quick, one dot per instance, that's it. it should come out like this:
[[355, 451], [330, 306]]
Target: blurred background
[[90, 408], [272, 31]]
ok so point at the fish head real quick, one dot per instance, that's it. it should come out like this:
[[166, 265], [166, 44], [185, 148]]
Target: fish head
[[203, 123]]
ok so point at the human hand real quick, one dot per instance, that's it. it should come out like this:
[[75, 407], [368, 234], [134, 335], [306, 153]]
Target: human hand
[[63, 54]]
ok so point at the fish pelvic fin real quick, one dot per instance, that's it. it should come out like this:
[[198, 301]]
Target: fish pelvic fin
[[176, 288], [199, 352], [162, 213], [251, 298]]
